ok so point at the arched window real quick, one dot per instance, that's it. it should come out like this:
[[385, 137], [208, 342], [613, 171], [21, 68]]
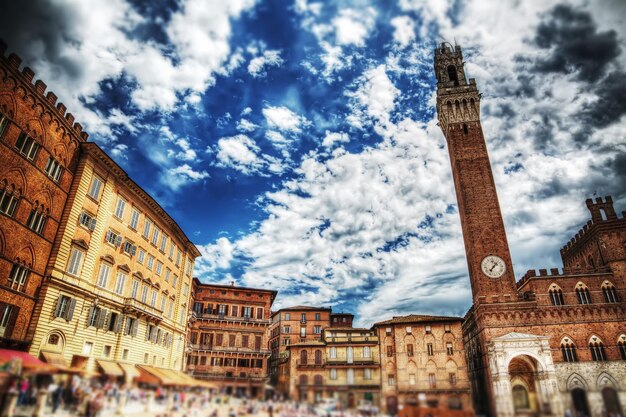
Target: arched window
[[609, 292], [452, 75], [304, 379], [591, 262], [556, 295], [303, 357], [53, 339], [465, 128], [568, 349], [597, 349], [318, 357], [8, 199], [621, 346], [449, 108], [37, 219], [318, 380], [582, 294]]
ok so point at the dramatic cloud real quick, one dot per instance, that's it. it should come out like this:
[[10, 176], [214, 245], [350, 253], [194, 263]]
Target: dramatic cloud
[[258, 65]]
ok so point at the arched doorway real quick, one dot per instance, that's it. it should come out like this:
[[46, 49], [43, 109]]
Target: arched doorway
[[611, 402], [524, 392], [392, 405], [579, 402]]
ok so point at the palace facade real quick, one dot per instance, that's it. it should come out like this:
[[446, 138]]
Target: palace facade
[[228, 337]]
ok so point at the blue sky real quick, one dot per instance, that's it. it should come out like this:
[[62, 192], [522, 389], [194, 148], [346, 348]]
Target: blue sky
[[296, 142]]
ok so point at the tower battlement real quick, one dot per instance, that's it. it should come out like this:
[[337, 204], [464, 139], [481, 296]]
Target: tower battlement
[[13, 62]]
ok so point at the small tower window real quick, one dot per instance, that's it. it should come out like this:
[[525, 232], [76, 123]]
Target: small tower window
[[582, 293], [465, 129], [452, 75], [556, 296], [597, 349], [609, 293], [568, 349]]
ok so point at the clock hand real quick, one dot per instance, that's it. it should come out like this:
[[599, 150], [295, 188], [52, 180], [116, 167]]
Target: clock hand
[[493, 266]]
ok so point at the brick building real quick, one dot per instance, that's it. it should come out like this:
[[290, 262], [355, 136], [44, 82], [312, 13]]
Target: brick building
[[290, 325], [551, 342], [422, 361], [228, 337], [39, 143], [344, 365], [118, 285]]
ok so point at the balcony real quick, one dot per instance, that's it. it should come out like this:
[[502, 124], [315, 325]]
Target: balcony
[[309, 364], [134, 306], [229, 349], [225, 377], [367, 362], [245, 319]]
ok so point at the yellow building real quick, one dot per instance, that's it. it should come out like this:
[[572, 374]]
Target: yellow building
[[117, 287]]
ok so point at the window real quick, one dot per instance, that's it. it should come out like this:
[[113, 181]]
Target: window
[[134, 218], [391, 379], [125, 354], [609, 293], [163, 299], [186, 290], [170, 310], [286, 341], [287, 329], [350, 376], [120, 283], [259, 313], [449, 349], [367, 374], [189, 266], [171, 255], [428, 329], [621, 346], [388, 331], [303, 318], [568, 350], [18, 276], [317, 329], [159, 268], [7, 319], [389, 351], [409, 349], [287, 316], [446, 328], [119, 208], [103, 275], [27, 146], [409, 330], [87, 348], [333, 352], [150, 262], [597, 350], [333, 373], [96, 317], [429, 349], [113, 238], [318, 316], [53, 169], [175, 280], [153, 298], [115, 322], [75, 263], [146, 357], [87, 220], [556, 295], [129, 248], [142, 255], [144, 294], [146, 227], [65, 307], [54, 339], [302, 331], [8, 201], [367, 352], [432, 381], [94, 189], [163, 242], [177, 256], [155, 235], [168, 272], [452, 378], [582, 294], [411, 379], [134, 288], [4, 122]]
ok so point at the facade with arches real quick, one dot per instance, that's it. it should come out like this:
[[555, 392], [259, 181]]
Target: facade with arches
[[550, 343], [39, 145]]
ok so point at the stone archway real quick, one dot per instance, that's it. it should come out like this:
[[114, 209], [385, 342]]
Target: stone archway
[[612, 405], [580, 403], [523, 372]]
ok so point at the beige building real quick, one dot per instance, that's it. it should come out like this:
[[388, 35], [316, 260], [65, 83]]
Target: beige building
[[118, 284], [423, 364]]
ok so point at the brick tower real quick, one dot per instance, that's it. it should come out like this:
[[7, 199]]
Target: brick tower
[[458, 109]]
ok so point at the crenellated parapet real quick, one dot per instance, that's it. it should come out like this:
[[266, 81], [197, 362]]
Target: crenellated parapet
[[25, 76], [560, 273]]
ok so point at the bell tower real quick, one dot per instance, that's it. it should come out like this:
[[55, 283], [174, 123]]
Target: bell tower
[[458, 110]]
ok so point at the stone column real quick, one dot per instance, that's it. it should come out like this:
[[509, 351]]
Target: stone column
[[504, 395], [149, 400], [10, 403], [40, 405]]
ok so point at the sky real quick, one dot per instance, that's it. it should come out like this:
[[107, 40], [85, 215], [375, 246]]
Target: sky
[[296, 142]]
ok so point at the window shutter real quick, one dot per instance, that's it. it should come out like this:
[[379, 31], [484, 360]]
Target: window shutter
[[133, 330], [106, 236], [91, 310], [133, 250], [81, 217], [70, 310], [57, 309], [15, 311], [148, 332], [102, 315], [92, 224], [153, 336], [118, 240], [118, 324]]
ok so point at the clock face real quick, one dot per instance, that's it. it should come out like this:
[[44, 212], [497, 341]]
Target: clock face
[[493, 266]]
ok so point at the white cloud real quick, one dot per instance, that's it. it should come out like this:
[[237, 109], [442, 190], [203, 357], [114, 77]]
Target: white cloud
[[215, 256], [404, 30], [239, 152], [258, 65], [332, 138], [353, 27], [246, 126], [282, 118], [182, 175]]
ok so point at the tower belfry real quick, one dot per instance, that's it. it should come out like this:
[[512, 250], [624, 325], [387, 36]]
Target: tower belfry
[[458, 110]]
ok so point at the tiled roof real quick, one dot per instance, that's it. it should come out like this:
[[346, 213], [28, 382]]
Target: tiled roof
[[306, 308], [417, 318]]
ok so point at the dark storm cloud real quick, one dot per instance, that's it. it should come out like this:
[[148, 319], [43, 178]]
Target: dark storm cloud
[[575, 44]]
